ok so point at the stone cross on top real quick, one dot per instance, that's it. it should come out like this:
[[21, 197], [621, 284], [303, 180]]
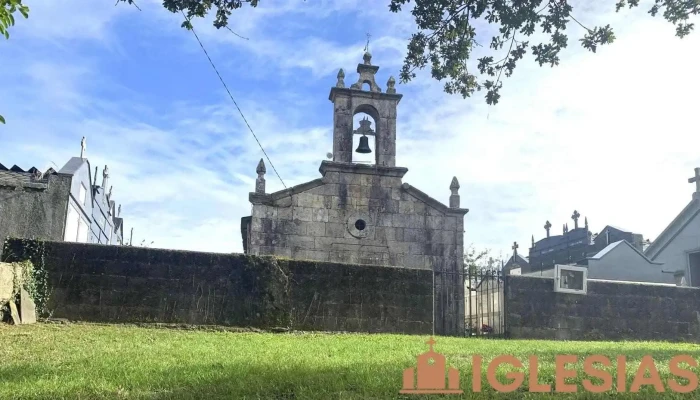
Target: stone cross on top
[[83, 147], [547, 226], [365, 127], [575, 216], [696, 180], [515, 249]]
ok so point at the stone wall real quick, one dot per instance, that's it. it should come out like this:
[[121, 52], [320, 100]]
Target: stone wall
[[37, 210], [99, 283], [609, 311], [400, 226]]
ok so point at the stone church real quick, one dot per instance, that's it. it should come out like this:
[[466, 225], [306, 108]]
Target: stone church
[[362, 213]]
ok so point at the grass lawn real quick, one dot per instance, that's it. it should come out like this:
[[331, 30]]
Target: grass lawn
[[84, 361]]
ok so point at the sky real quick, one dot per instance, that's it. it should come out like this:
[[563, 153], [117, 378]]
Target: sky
[[613, 135]]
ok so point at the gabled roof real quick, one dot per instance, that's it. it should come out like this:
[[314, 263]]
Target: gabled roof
[[520, 261], [72, 166], [431, 201], [616, 228], [269, 198], [609, 248], [688, 214]]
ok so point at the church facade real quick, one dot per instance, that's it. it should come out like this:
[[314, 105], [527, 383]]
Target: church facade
[[364, 213], [678, 246]]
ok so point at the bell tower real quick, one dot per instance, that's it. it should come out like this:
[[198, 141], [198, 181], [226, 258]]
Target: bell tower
[[347, 102]]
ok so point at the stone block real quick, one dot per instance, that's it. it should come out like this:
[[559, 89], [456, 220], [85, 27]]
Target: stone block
[[335, 230], [300, 242], [315, 229], [303, 214], [341, 203], [399, 234], [435, 222], [415, 261], [320, 215], [27, 308], [263, 211], [305, 200], [336, 216], [399, 247], [255, 225], [339, 256], [285, 213], [384, 219], [405, 207], [401, 221], [414, 235], [290, 227]]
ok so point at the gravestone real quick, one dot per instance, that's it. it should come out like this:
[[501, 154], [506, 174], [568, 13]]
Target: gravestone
[[5, 282], [27, 308], [14, 314]]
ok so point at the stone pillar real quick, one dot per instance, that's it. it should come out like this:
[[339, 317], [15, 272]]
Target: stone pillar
[[342, 130], [386, 138], [454, 197], [260, 181]]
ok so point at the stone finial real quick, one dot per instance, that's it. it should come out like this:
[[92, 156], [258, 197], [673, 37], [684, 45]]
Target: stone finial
[[547, 226], [367, 58], [367, 73], [585, 222], [391, 85], [105, 176], [260, 181], [109, 194], [260, 169], [94, 183], [454, 197], [83, 147], [696, 180], [533, 241], [119, 210], [341, 79]]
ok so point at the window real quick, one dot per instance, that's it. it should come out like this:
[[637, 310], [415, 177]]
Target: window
[[82, 231], [570, 279], [83, 194], [71, 233]]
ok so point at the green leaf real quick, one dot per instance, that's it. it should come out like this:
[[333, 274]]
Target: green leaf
[[2, 119]]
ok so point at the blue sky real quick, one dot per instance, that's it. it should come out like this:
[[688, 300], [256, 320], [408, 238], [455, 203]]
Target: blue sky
[[613, 134]]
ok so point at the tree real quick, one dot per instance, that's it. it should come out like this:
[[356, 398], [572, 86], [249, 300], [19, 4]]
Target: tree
[[7, 19], [476, 260], [446, 36]]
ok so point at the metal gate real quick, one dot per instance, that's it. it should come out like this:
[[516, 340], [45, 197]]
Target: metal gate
[[485, 313]]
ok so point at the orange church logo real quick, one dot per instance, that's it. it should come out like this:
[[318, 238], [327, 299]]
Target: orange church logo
[[430, 375]]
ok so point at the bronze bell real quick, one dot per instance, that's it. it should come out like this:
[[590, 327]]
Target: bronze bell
[[364, 145]]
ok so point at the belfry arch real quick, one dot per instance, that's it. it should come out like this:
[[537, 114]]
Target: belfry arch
[[380, 106]]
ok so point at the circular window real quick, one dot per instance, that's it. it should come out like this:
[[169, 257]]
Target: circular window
[[360, 225]]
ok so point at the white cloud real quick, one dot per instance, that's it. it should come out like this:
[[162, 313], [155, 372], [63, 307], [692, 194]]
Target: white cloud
[[611, 134]]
